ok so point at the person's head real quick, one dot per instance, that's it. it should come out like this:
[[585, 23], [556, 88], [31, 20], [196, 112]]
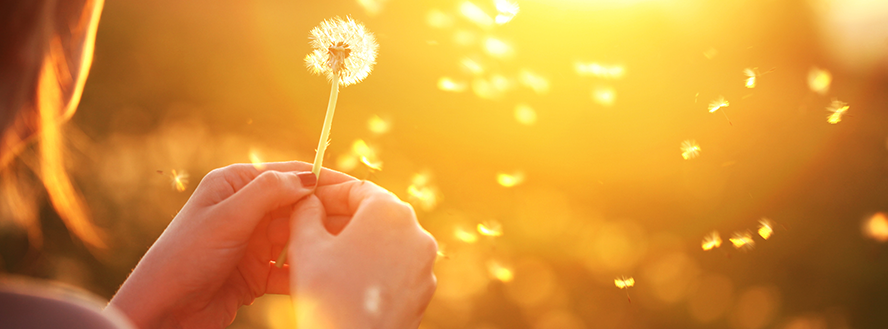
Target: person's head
[[46, 49]]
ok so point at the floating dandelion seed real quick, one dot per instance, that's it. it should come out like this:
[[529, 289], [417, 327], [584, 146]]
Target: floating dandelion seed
[[838, 108], [750, 77], [475, 14], [255, 160], [490, 228], [506, 11], [179, 180], [439, 19], [718, 103], [377, 125], [766, 228], [819, 80], [472, 66], [465, 235], [345, 52], [422, 193], [448, 84], [372, 7], [499, 272], [525, 114], [497, 48], [510, 180], [372, 165], [710, 53], [533, 81], [605, 96], [493, 88], [876, 227], [624, 283], [599, 70], [464, 37], [742, 240], [689, 149], [712, 241]]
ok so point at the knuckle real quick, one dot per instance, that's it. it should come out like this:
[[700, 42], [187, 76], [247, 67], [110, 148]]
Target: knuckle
[[269, 179]]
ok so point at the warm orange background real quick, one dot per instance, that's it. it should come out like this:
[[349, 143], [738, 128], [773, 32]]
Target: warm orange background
[[194, 85]]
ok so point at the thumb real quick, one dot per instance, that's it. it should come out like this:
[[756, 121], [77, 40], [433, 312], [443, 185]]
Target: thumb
[[307, 222], [267, 192]]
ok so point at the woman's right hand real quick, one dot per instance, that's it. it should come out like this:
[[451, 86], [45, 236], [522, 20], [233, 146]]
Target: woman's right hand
[[373, 271]]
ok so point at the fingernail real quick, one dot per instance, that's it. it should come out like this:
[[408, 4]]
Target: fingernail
[[308, 179]]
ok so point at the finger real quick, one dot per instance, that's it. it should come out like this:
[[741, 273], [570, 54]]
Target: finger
[[267, 192], [344, 198], [307, 223], [278, 280], [327, 176]]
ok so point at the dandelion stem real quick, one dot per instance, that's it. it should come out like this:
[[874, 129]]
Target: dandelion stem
[[328, 123], [322, 146]]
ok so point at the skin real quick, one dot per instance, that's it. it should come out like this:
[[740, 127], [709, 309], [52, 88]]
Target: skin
[[217, 253]]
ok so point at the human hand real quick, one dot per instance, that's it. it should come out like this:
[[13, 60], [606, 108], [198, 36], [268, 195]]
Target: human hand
[[376, 272], [216, 255]]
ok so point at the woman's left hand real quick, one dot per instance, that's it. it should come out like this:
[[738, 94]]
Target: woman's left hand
[[217, 254]]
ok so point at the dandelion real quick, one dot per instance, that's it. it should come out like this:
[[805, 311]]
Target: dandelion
[[506, 10], [838, 108], [510, 180], [624, 283], [525, 114], [712, 241], [750, 77], [689, 149], [490, 228], [499, 272], [819, 80], [766, 228], [179, 180], [345, 52], [742, 240]]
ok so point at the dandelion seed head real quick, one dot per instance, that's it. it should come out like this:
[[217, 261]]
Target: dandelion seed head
[[689, 149], [718, 103], [712, 241], [344, 47]]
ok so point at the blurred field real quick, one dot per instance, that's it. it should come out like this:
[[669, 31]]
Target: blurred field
[[596, 187]]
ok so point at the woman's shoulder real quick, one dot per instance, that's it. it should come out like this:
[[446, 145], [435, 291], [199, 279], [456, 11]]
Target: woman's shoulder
[[27, 303]]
